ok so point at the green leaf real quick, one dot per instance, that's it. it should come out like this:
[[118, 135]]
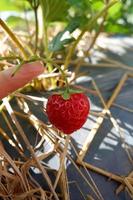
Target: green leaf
[[14, 21], [13, 5], [98, 5], [116, 28], [58, 43], [80, 8], [115, 10], [64, 38], [74, 90], [66, 93], [54, 10], [77, 22], [8, 5], [74, 2], [73, 24], [84, 4]]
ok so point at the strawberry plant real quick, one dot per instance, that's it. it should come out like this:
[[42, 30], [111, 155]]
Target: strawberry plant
[[41, 41]]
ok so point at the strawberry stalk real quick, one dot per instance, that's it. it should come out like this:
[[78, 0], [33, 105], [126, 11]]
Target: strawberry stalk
[[66, 92]]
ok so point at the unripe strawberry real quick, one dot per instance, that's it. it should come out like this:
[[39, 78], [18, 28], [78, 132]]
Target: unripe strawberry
[[68, 115]]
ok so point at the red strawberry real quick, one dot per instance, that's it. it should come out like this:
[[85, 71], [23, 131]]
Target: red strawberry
[[68, 115]]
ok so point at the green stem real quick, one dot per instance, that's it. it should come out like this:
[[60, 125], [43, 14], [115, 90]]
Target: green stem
[[48, 54], [34, 4], [36, 34], [88, 26], [46, 38], [14, 38], [63, 74], [45, 28]]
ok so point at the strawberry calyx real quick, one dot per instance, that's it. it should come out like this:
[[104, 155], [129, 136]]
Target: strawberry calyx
[[66, 94]]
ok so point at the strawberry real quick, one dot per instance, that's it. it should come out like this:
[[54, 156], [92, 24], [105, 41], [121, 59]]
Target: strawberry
[[68, 115]]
